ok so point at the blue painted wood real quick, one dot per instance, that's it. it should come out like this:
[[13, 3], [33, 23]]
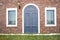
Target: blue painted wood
[[30, 19]]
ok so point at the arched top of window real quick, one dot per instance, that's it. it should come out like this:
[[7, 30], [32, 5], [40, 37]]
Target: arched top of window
[[30, 8]]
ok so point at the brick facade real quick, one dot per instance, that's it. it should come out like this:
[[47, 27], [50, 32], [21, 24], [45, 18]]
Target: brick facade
[[40, 3]]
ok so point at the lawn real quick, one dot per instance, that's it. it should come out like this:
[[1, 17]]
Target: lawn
[[29, 37]]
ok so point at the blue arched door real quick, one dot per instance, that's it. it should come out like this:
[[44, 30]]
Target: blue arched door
[[30, 19]]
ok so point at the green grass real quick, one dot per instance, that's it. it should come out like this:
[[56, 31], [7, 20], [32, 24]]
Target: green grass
[[29, 37]]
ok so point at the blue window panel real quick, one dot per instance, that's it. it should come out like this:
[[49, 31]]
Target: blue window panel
[[11, 17], [30, 19], [50, 17]]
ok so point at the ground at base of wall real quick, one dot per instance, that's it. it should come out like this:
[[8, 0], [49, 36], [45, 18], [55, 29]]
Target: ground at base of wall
[[29, 37]]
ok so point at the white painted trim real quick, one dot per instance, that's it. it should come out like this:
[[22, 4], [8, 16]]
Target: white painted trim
[[50, 8], [7, 17], [34, 34], [23, 16]]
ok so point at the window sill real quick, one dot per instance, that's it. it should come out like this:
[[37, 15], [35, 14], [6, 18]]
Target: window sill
[[11, 25], [50, 25]]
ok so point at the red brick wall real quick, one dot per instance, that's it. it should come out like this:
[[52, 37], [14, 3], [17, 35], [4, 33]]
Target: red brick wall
[[40, 3]]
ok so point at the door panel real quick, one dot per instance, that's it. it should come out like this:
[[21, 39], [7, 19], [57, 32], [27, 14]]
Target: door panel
[[30, 19]]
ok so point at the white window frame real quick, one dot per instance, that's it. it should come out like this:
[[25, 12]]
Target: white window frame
[[50, 8], [7, 17], [23, 16]]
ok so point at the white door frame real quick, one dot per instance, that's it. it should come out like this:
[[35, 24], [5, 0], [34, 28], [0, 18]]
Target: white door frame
[[23, 16]]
